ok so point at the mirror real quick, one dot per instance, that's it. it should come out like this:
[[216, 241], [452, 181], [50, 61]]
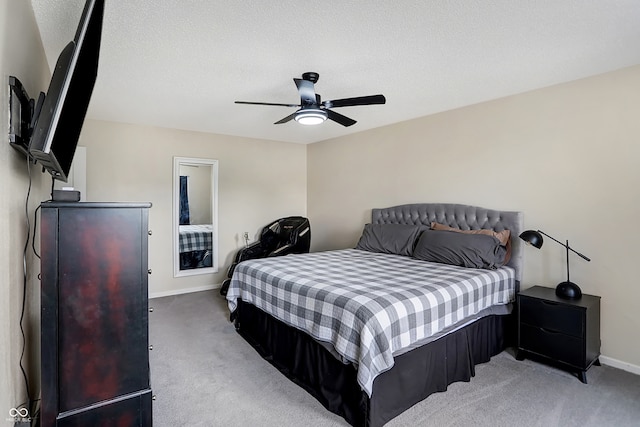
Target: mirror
[[195, 216]]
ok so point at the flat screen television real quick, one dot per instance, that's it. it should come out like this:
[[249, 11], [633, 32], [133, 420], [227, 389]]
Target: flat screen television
[[57, 128]]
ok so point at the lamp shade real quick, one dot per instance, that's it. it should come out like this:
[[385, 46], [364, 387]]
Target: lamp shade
[[532, 238]]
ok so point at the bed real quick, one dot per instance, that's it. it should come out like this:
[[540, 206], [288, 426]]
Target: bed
[[195, 245], [369, 332]]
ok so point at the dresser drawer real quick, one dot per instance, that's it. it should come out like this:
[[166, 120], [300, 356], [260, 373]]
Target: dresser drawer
[[552, 316], [557, 346]]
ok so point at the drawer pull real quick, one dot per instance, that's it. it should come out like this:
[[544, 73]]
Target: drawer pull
[[549, 331], [549, 302]]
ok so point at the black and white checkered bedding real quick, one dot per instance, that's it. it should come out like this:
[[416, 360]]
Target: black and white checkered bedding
[[367, 305], [196, 237]]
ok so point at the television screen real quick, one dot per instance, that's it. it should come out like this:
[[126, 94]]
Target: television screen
[[58, 126]]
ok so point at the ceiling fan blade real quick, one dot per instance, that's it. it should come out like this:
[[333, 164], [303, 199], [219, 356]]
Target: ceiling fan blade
[[267, 103], [360, 100], [339, 118], [307, 92], [286, 119]]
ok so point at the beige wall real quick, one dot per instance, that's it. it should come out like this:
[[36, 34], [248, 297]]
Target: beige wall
[[568, 156], [258, 181], [21, 55]]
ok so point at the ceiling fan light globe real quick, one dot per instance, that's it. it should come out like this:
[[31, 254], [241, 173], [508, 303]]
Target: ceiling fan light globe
[[310, 117], [310, 120]]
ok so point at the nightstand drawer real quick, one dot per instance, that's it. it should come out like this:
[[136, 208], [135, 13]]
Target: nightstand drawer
[[552, 316], [561, 347]]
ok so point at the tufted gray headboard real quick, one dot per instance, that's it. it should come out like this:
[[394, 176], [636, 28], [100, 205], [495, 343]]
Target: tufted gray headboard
[[465, 217]]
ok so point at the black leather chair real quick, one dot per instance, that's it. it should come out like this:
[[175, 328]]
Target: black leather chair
[[290, 235]]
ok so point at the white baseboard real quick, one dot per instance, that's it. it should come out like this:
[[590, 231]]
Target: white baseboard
[[615, 363], [184, 291]]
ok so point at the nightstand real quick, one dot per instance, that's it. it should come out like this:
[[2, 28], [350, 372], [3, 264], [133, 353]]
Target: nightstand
[[563, 331]]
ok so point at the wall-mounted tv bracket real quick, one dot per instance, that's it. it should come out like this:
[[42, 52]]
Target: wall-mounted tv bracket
[[23, 115]]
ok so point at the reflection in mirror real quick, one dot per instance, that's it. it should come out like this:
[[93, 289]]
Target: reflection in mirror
[[195, 217]]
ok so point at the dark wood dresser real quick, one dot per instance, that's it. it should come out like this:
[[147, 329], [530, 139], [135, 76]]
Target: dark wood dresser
[[94, 300], [566, 332]]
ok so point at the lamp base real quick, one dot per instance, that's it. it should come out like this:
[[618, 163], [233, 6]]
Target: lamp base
[[568, 290]]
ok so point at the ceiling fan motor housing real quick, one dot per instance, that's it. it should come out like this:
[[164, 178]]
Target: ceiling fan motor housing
[[311, 76]]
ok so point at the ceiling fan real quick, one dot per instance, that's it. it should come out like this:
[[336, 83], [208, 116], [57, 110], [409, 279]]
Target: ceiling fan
[[312, 110]]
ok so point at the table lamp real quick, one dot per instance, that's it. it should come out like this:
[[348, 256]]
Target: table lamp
[[565, 290]]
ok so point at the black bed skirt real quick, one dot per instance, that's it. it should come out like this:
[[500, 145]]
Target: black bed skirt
[[415, 375]]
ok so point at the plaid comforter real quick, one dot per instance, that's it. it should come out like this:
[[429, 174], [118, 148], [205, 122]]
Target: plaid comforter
[[367, 305], [196, 237]]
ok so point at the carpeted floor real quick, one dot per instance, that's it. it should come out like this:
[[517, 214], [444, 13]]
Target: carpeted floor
[[204, 374]]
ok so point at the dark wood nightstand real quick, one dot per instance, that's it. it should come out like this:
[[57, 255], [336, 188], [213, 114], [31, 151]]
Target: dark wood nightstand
[[560, 330]]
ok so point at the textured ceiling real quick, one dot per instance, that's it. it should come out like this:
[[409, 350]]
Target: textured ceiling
[[182, 64]]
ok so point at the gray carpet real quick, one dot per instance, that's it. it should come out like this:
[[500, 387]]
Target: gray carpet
[[204, 374]]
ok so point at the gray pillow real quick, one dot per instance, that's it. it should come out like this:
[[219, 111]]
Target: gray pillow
[[398, 239], [465, 250]]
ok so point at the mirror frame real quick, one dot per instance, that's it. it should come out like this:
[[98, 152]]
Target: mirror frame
[[177, 161]]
